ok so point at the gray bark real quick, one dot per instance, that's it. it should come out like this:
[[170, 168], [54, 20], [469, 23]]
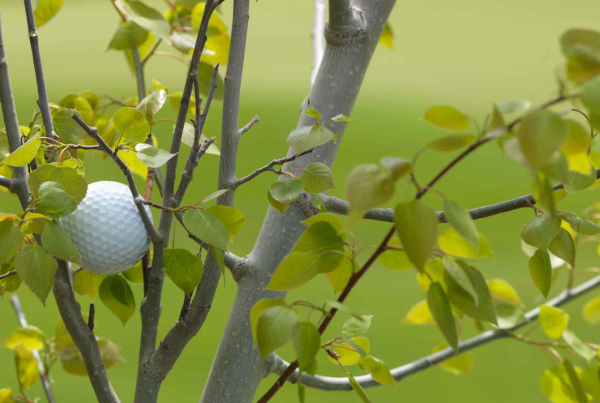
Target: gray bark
[[237, 370]]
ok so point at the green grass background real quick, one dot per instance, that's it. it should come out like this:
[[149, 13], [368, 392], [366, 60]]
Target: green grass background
[[465, 53]]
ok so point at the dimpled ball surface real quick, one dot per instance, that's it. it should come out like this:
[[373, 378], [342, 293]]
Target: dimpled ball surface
[[107, 228]]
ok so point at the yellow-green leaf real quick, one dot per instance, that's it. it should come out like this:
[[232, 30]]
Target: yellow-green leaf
[[395, 259], [378, 370], [307, 342], [504, 293], [453, 243], [37, 269], [6, 396], [29, 337], [206, 227], [57, 243], [367, 186], [132, 125], [184, 268], [456, 365], [447, 118], [305, 138], [462, 222], [27, 368], [232, 219], [416, 225], [11, 240], [450, 142], [24, 154], [317, 178], [591, 311], [553, 321], [275, 327], [387, 37], [45, 10], [419, 314], [541, 133], [259, 308], [116, 294], [88, 283], [348, 354]]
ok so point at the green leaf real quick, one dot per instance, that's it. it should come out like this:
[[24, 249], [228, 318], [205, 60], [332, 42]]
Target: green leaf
[[183, 268], [324, 217], [175, 102], [24, 154], [217, 254], [349, 354], [129, 35], [590, 379], [275, 327], [450, 142], [341, 307], [419, 314], [368, 186], [358, 389], [72, 183], [540, 231], [339, 277], [578, 346], [88, 283], [116, 294], [456, 365], [54, 200], [590, 96], [45, 10], [454, 244], [10, 283], [417, 226], [29, 337], [541, 134], [540, 271], [308, 137], [36, 268], [513, 107], [317, 178], [296, 269], [151, 104], [354, 327], [66, 128], [275, 204], [483, 310], [313, 113], [232, 219], [146, 17], [206, 227], [151, 156], [340, 118], [27, 367], [553, 321], [460, 276], [556, 385], [92, 99], [287, 191], [462, 222], [563, 246], [11, 240], [503, 293], [214, 195], [578, 224], [258, 309], [395, 259], [442, 313], [580, 394], [446, 118], [378, 370], [57, 243], [132, 125], [307, 342], [591, 311]]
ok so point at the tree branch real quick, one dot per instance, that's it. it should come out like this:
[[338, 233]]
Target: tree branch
[[8, 274], [39, 71], [338, 206], [6, 182], [249, 125], [279, 366], [82, 336], [139, 74], [137, 198]]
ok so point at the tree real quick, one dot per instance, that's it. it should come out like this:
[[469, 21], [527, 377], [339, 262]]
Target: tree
[[302, 235]]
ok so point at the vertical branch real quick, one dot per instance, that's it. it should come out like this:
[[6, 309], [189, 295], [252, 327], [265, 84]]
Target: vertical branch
[[318, 37], [39, 71], [14, 300], [139, 74]]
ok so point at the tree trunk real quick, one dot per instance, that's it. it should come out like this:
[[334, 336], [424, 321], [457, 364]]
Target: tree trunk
[[352, 37]]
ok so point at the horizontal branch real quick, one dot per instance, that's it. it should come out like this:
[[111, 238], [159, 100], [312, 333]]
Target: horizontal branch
[[268, 167], [339, 206], [249, 125], [278, 365], [6, 182], [137, 198]]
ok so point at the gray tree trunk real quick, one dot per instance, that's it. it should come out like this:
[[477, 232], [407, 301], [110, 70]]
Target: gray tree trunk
[[352, 37]]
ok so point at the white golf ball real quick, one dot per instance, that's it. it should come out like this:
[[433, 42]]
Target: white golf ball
[[107, 229]]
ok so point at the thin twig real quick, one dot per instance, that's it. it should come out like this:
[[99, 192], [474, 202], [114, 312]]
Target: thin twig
[[6, 182], [249, 125], [8, 274], [149, 55], [92, 317]]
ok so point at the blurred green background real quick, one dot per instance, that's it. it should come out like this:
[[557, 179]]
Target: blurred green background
[[466, 53]]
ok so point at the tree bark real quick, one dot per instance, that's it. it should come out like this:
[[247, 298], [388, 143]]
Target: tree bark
[[237, 369]]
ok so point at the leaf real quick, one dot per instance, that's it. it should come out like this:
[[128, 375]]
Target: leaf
[[590, 379], [324, 217], [417, 226], [295, 269], [540, 271], [29, 337], [575, 383], [307, 342], [454, 244], [456, 365], [206, 227], [378, 370], [354, 327], [313, 113], [339, 277], [45, 10], [446, 118], [578, 346], [540, 231], [503, 293], [442, 313], [398, 167], [67, 129], [553, 321], [275, 204], [387, 37], [368, 186], [188, 138], [513, 107], [590, 97], [563, 246], [462, 222], [557, 385], [340, 118], [146, 17], [6, 396], [24, 154], [317, 178], [217, 254], [54, 200], [591, 311], [358, 389], [175, 103], [287, 191], [232, 219], [483, 310], [57, 243], [10, 283], [151, 156], [11, 240], [450, 142], [419, 314], [184, 268], [259, 308], [460, 276], [578, 224], [214, 195], [152, 103], [129, 35], [27, 368], [215, 24], [116, 294], [131, 124], [73, 183], [579, 139], [348, 354], [36, 268], [305, 138], [395, 259], [275, 327], [88, 283], [541, 133]]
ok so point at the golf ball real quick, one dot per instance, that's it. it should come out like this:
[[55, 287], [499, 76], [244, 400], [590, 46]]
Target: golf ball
[[107, 229]]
